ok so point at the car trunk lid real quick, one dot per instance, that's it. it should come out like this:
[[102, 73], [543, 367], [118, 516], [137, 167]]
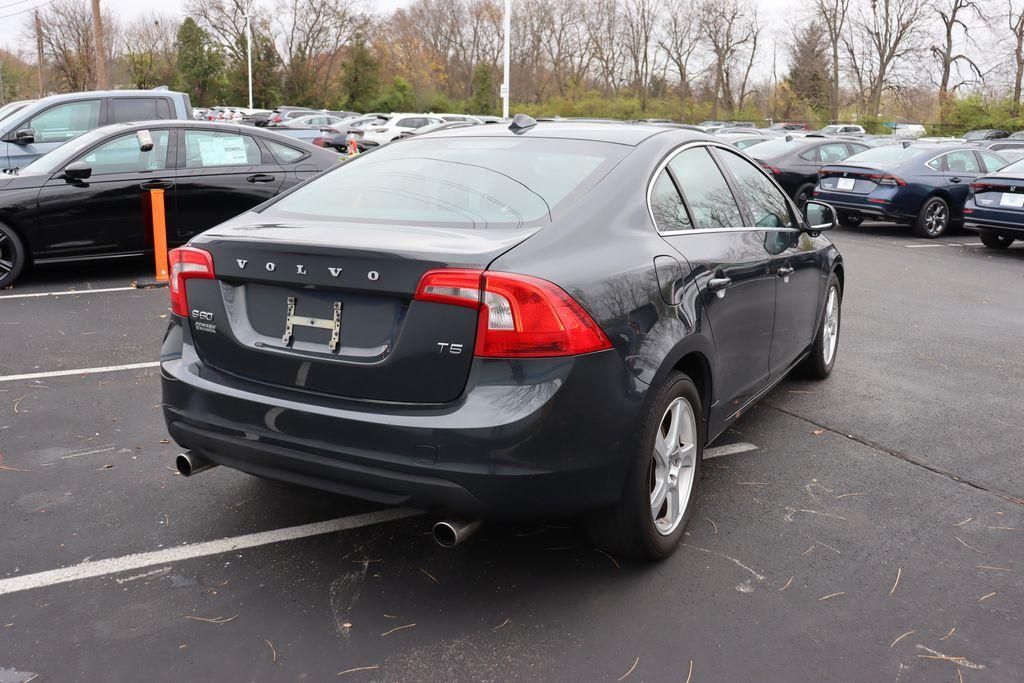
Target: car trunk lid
[[329, 307]]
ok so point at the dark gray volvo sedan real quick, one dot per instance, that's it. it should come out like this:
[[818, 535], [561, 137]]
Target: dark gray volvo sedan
[[540, 320]]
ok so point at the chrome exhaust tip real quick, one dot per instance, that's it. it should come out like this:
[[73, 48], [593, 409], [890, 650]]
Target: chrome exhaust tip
[[191, 463], [450, 533]]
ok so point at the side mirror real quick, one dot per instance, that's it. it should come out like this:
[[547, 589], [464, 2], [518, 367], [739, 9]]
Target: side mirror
[[25, 136], [77, 170], [819, 216]]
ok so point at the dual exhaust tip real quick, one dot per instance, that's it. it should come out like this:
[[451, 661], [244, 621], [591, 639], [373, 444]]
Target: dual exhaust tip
[[447, 533]]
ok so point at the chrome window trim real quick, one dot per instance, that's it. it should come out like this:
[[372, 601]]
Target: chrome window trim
[[701, 231]]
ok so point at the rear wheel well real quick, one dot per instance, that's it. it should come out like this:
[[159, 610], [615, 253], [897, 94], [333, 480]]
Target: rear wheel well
[[697, 368], [841, 277], [21, 236]]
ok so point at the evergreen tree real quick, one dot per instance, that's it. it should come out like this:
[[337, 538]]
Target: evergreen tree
[[200, 65], [360, 76], [808, 77], [266, 73], [396, 97], [483, 90]]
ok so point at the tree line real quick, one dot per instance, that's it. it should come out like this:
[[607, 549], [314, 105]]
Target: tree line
[[950, 63]]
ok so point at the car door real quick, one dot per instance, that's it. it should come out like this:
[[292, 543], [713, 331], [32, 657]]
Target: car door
[[961, 169], [51, 128], [221, 173], [731, 267], [108, 212], [795, 261]]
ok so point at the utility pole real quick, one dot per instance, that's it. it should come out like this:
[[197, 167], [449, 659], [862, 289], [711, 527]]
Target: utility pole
[[248, 52], [505, 59], [39, 53], [101, 52]]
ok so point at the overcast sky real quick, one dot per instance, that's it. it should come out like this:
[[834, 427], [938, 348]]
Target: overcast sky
[[12, 28]]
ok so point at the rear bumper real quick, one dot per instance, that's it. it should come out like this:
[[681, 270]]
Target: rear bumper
[[536, 438], [859, 204], [983, 223]]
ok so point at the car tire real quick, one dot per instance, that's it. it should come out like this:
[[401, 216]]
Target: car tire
[[819, 364], [850, 220], [12, 256], [933, 220], [633, 527], [803, 194], [995, 241]]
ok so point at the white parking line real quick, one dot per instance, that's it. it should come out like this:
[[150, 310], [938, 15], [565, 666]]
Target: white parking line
[[728, 449], [70, 291], [80, 371], [921, 246], [88, 570]]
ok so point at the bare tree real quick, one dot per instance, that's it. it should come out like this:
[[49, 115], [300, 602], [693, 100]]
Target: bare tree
[[680, 38], [68, 42], [313, 34], [952, 15], [603, 20], [1015, 19], [832, 15], [732, 31], [638, 23], [148, 51], [882, 36]]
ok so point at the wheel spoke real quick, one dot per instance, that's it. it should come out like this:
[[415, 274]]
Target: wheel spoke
[[688, 455], [6, 266], [658, 497]]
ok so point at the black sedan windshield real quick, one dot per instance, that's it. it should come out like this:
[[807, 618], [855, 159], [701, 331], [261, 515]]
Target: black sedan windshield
[[475, 182]]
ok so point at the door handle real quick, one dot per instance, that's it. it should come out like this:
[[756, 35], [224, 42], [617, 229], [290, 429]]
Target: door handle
[[156, 185], [261, 178], [954, 180], [784, 271], [718, 285]]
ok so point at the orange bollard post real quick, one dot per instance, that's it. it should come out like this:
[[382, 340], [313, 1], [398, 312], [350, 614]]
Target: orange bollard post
[[353, 149], [156, 202]]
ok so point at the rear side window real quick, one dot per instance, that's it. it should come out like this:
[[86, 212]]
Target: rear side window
[[206, 149], [764, 200], [470, 183], [283, 153], [667, 206], [705, 189], [65, 121], [962, 161], [991, 162], [831, 153], [127, 109]]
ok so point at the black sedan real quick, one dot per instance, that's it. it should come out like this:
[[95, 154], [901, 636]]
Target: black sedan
[[923, 185], [498, 322], [88, 199], [794, 161], [995, 206]]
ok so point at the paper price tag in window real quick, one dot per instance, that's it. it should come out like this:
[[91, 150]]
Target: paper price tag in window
[[225, 151]]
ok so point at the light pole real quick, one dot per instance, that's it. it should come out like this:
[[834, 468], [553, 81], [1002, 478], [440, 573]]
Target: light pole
[[505, 59], [248, 50]]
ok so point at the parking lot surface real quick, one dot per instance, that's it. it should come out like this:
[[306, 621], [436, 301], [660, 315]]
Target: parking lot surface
[[873, 528]]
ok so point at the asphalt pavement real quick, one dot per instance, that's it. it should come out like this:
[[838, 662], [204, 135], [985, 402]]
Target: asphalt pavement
[[873, 528]]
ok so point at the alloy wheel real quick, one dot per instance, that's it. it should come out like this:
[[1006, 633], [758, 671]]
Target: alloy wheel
[[935, 218], [7, 254], [672, 465], [830, 331]]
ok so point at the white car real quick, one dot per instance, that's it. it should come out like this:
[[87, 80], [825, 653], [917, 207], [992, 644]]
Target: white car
[[459, 118], [908, 130], [842, 129], [396, 125]]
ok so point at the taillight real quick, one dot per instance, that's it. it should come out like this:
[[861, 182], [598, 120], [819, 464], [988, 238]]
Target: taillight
[[520, 316], [319, 142], [187, 263], [886, 179], [771, 169]]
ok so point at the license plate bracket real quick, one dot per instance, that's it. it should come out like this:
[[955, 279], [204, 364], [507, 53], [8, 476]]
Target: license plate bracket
[[293, 320], [1013, 200]]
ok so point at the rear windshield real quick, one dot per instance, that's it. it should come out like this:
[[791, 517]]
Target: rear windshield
[[887, 154], [775, 148], [478, 182]]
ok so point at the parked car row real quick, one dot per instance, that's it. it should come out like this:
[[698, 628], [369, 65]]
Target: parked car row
[[89, 198]]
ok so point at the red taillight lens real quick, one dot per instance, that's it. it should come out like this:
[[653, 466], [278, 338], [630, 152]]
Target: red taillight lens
[[186, 263], [886, 179], [520, 316], [319, 142]]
